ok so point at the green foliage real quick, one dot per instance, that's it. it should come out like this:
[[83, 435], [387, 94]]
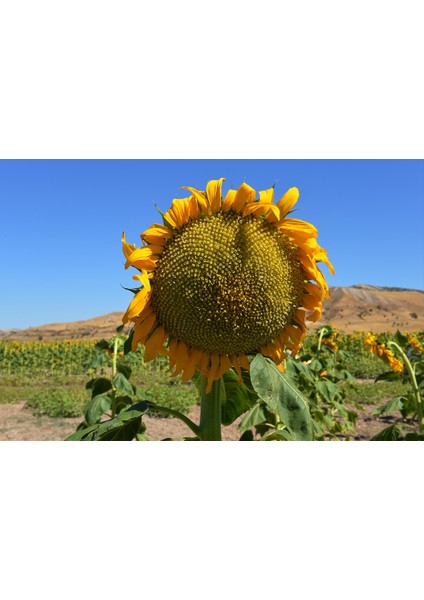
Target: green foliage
[[321, 375], [281, 400], [57, 403], [410, 403]]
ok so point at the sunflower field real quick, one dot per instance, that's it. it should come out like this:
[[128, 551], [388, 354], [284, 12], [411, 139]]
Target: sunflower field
[[226, 286], [337, 375]]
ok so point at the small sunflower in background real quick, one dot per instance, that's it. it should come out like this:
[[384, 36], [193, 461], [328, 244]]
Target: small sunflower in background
[[223, 278]]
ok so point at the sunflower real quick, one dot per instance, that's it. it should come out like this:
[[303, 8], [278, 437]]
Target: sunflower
[[223, 278], [383, 352]]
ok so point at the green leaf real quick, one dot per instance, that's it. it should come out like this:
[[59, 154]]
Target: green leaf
[[124, 369], [121, 383], [387, 376], [390, 434], [247, 436], [99, 385], [128, 342], [282, 397], [302, 369], [122, 403], [237, 399], [255, 416], [124, 427], [81, 434], [279, 435], [390, 406], [96, 407], [328, 390]]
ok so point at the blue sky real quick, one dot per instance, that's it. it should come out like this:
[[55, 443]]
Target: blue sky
[[60, 249]]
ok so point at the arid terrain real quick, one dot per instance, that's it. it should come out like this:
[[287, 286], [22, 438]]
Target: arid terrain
[[19, 423], [355, 308]]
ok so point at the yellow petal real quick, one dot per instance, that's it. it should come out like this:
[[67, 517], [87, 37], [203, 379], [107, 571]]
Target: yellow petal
[[137, 304], [228, 201], [189, 369], [244, 362], [244, 195], [180, 211], [273, 214], [200, 197], [255, 209], [154, 344], [225, 365], [182, 357], [137, 255], [144, 279], [212, 371], [194, 208], [204, 363], [173, 345], [154, 240], [288, 200], [159, 231], [236, 365], [310, 302], [300, 228], [267, 196], [142, 330], [127, 248], [213, 193]]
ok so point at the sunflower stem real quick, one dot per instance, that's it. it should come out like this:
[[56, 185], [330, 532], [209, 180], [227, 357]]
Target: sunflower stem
[[415, 389], [210, 411]]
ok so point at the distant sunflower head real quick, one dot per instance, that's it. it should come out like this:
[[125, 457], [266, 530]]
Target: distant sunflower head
[[223, 278]]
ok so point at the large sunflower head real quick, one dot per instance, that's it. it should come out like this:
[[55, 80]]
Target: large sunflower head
[[223, 278]]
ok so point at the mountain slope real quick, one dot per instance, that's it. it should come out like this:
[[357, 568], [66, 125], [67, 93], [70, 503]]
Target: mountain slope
[[355, 308]]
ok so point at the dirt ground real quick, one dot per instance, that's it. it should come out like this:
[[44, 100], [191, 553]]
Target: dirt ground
[[20, 424]]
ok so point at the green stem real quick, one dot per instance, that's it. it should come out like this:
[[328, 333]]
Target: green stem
[[155, 407], [415, 388], [321, 335], [210, 411], [115, 356], [114, 371]]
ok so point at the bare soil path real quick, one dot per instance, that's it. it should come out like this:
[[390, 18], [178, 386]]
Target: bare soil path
[[20, 424]]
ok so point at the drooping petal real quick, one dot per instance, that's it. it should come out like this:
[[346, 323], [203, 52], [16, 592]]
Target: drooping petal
[[138, 254], [182, 356], [244, 362], [127, 248], [159, 231], [212, 371], [236, 365], [137, 304], [189, 369], [300, 228], [225, 365], [142, 330], [154, 343], [213, 193]]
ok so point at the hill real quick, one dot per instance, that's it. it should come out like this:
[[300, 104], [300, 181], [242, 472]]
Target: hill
[[355, 308]]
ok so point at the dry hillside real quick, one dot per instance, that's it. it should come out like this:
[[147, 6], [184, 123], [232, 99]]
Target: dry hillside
[[355, 308]]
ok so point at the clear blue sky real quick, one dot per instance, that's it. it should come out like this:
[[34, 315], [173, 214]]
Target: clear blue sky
[[60, 249]]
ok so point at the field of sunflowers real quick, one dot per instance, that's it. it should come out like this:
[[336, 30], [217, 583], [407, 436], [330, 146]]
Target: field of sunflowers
[[339, 376]]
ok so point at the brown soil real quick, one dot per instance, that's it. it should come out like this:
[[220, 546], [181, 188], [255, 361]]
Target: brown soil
[[19, 423]]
